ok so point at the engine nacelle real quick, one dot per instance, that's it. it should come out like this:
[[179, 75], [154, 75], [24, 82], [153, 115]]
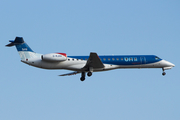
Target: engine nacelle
[[54, 57]]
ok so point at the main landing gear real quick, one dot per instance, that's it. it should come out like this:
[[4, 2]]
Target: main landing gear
[[83, 75], [164, 73], [89, 74]]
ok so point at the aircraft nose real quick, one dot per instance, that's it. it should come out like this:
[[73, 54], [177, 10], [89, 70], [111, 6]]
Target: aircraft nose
[[173, 65], [169, 64]]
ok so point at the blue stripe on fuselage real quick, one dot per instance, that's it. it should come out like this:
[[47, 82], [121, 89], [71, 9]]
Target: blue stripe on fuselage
[[124, 59]]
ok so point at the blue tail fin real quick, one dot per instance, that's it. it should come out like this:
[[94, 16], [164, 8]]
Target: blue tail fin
[[23, 49], [20, 44]]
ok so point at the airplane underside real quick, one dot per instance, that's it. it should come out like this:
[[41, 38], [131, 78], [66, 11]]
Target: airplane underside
[[79, 67]]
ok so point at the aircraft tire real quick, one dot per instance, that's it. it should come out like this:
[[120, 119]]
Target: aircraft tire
[[89, 74], [163, 73], [82, 78]]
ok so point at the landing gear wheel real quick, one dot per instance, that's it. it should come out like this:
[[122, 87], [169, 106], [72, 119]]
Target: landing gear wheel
[[163, 73], [82, 78], [89, 74], [83, 75]]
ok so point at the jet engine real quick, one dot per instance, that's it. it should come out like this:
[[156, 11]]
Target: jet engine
[[54, 57]]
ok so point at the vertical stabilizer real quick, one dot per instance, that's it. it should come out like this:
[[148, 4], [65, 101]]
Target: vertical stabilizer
[[23, 49]]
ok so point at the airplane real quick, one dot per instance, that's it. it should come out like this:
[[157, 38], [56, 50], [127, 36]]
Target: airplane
[[86, 64]]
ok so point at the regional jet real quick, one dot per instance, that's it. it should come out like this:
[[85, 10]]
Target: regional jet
[[86, 64]]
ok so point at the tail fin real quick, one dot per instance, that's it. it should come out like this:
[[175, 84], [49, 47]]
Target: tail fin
[[23, 49]]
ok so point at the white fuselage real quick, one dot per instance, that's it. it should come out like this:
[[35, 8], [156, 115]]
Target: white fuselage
[[77, 65]]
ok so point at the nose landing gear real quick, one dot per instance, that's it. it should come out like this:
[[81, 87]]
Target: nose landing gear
[[164, 73]]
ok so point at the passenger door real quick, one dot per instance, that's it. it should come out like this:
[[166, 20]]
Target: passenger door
[[143, 60]]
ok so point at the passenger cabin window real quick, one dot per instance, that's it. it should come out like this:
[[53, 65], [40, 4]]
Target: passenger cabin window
[[121, 58], [109, 59], [117, 58], [113, 59], [104, 59]]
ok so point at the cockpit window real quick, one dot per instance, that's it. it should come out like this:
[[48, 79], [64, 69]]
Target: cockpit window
[[157, 58]]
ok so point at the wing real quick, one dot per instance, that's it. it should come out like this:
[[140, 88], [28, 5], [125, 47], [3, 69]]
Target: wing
[[68, 74], [94, 61]]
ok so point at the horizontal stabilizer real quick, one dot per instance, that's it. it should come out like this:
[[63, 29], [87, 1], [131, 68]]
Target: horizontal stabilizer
[[10, 45], [18, 40], [68, 74]]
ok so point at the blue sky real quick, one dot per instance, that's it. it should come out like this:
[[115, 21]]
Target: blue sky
[[78, 28]]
